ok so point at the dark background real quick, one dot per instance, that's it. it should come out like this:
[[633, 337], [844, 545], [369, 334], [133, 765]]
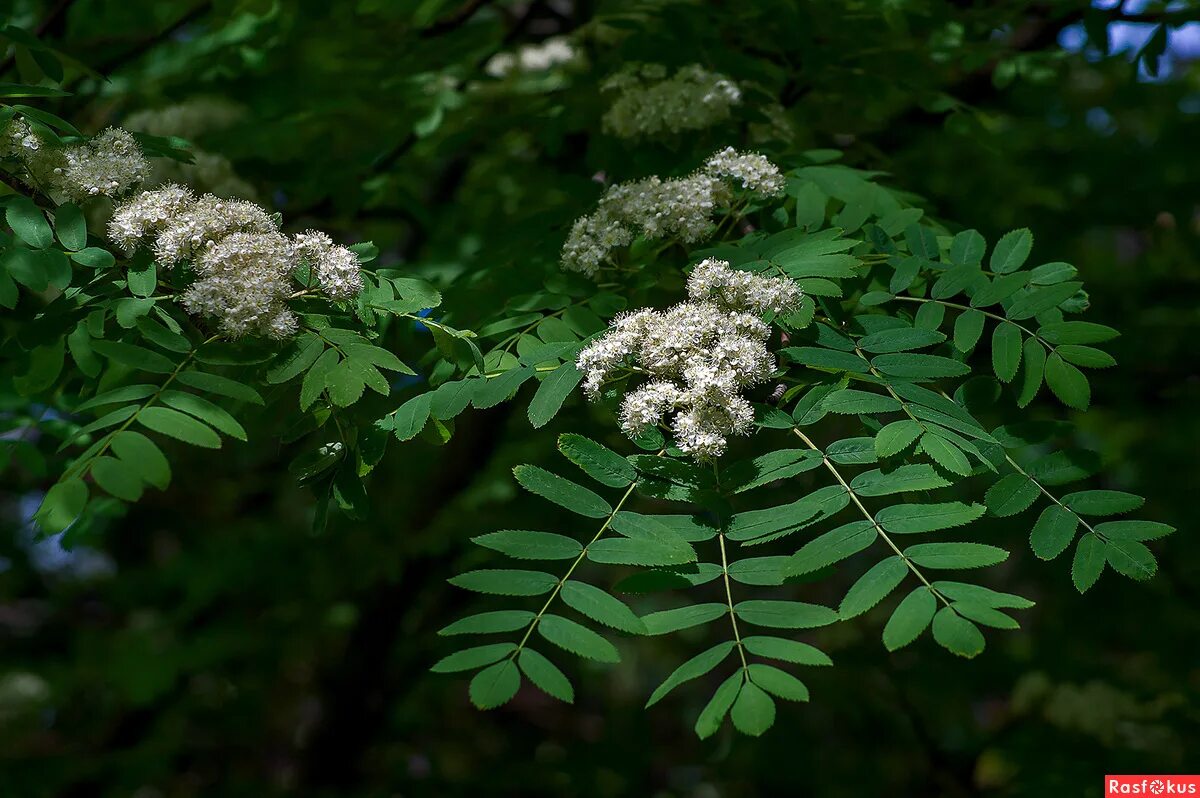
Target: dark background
[[208, 644]]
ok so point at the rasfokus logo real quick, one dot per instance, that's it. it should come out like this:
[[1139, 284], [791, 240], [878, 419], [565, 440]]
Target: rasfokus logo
[[1151, 785]]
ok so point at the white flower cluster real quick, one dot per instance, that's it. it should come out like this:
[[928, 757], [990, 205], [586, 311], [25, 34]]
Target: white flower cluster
[[191, 118], [243, 264], [532, 58], [649, 103], [698, 357], [106, 165], [656, 208]]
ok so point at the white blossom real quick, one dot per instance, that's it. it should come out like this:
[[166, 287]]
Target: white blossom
[[752, 170], [532, 58], [108, 164], [698, 358], [244, 266], [335, 266], [650, 104], [681, 207]]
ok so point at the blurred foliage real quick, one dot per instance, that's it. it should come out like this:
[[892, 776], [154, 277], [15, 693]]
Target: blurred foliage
[[206, 643]]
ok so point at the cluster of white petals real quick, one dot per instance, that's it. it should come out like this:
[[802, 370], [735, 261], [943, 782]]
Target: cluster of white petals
[[243, 264], [675, 207], [532, 58], [650, 103], [108, 164], [189, 119], [699, 356]]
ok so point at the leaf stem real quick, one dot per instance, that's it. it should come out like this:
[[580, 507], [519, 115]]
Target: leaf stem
[[867, 515], [989, 314]]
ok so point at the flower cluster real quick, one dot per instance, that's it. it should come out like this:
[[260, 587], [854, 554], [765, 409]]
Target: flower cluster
[[243, 264], [676, 207], [698, 357], [191, 118], [649, 103], [107, 165], [532, 58]]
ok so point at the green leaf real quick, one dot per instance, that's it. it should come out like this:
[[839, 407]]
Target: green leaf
[[495, 685], [293, 362], [1067, 383], [62, 504], [1077, 332], [956, 634], [1000, 289], [1011, 494], [759, 570], [627, 551], [819, 357], [1051, 273], [653, 530], [70, 226], [562, 492], [1134, 530], [498, 389], [945, 454], [314, 381], [600, 606], [506, 582], [851, 451], [597, 461], [717, 708], [873, 587], [1131, 558], [784, 614], [1053, 532], [896, 437], [1061, 467], [778, 682], [851, 402], [910, 477], [785, 650], [900, 339], [1028, 305], [528, 545], [921, 241], [780, 464], [1086, 356], [694, 668], [1033, 367], [917, 518], [141, 455], [666, 621], [1088, 562], [471, 658], [1006, 351], [206, 411], [142, 279], [551, 394], [180, 426], [545, 675], [909, 619], [761, 524], [451, 398], [134, 356], [1102, 502], [577, 638], [968, 327], [967, 248], [410, 418], [117, 478], [29, 223], [983, 596], [94, 258], [912, 366], [929, 316], [753, 711], [213, 383], [955, 555], [489, 623], [832, 547], [45, 364], [1011, 251]]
